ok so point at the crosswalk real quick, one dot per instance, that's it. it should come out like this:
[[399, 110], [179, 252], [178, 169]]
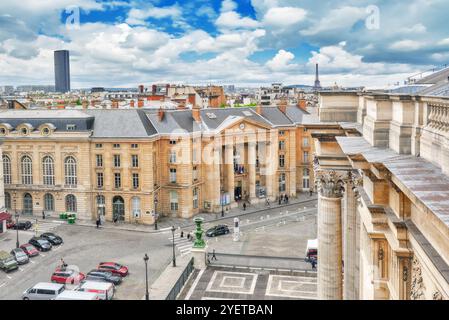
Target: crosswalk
[[182, 244], [44, 226]]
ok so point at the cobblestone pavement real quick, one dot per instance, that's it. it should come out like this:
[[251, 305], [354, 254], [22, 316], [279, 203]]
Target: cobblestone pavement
[[221, 283]]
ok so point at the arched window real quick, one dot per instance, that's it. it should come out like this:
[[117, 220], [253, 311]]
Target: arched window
[[118, 209], [27, 170], [70, 172], [101, 205], [136, 206], [70, 203], [7, 201], [48, 171], [49, 202], [27, 204], [6, 169]]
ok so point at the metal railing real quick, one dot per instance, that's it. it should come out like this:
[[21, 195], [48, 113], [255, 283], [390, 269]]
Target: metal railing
[[181, 281]]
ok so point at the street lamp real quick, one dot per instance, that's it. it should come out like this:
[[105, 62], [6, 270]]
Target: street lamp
[[17, 229], [147, 293], [173, 229], [155, 212]]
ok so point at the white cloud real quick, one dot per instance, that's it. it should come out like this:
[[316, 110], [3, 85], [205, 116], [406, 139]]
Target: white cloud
[[284, 16], [233, 20], [228, 5], [281, 61], [138, 16], [444, 42], [406, 45]]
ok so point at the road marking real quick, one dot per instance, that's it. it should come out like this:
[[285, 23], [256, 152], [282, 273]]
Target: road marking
[[43, 255], [9, 277], [20, 269], [3, 284], [32, 262]]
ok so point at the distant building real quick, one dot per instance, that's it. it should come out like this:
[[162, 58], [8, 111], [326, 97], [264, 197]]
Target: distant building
[[62, 71], [30, 88], [6, 89], [97, 89]]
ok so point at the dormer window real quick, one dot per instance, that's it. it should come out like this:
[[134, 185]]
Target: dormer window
[[47, 128], [24, 131], [71, 127], [3, 131], [45, 131], [5, 128]]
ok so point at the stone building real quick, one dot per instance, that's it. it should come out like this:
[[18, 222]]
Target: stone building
[[381, 169], [129, 164]]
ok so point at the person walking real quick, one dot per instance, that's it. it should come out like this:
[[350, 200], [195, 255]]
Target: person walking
[[244, 206], [313, 262], [182, 234], [98, 223], [267, 202], [280, 199], [43, 214], [286, 199], [310, 192], [214, 257]]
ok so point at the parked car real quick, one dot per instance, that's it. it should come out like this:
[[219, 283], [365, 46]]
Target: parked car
[[105, 276], [217, 231], [30, 250], [104, 290], [40, 244], [68, 276], [115, 268], [77, 295], [7, 262], [43, 291], [20, 256], [52, 238], [21, 225]]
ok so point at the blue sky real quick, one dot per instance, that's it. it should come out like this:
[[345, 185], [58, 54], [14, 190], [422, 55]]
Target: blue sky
[[248, 42]]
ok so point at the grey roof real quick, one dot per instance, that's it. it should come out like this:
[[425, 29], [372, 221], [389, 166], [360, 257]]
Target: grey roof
[[224, 113], [59, 118], [276, 116], [295, 114], [120, 123], [172, 120]]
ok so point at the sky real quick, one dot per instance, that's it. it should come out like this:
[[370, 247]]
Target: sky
[[118, 43]]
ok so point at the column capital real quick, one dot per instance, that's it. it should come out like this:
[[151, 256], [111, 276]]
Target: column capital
[[329, 183]]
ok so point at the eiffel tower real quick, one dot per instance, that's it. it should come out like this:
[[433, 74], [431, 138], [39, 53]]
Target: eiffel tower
[[317, 84]]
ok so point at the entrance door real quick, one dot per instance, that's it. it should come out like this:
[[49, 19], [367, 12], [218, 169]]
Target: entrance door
[[238, 193], [118, 209], [27, 204]]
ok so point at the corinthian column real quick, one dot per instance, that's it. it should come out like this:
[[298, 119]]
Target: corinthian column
[[252, 169], [330, 278], [229, 165], [350, 239]]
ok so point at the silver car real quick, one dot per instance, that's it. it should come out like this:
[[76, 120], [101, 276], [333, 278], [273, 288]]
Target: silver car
[[20, 256], [43, 291]]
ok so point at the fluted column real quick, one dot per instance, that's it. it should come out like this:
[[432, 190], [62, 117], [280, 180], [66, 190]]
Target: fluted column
[[350, 239], [330, 278], [252, 169], [229, 165]]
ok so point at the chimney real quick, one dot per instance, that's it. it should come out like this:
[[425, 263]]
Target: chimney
[[196, 114], [131, 103], [141, 88], [181, 106], [167, 86], [92, 103], [259, 109], [161, 114], [153, 89], [115, 104], [140, 103], [282, 105], [85, 104], [302, 104]]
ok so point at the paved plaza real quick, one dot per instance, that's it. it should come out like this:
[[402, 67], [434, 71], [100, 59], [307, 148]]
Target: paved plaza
[[222, 283]]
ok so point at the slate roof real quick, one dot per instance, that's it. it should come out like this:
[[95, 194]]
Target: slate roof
[[276, 116], [173, 120], [224, 113]]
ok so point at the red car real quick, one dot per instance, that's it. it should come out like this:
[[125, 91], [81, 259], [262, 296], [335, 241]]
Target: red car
[[113, 267], [67, 276], [30, 250]]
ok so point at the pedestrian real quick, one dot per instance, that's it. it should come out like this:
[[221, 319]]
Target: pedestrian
[[43, 214], [213, 255], [286, 199], [98, 223], [267, 202], [280, 199], [313, 262], [188, 236], [310, 192], [244, 206], [63, 264], [182, 234]]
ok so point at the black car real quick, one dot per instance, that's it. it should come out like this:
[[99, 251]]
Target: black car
[[104, 276], [52, 238], [41, 244], [22, 225], [217, 231]]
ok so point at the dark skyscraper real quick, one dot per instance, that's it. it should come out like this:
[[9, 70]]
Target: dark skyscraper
[[317, 79], [62, 71]]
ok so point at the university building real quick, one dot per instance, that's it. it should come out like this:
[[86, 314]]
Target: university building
[[381, 168], [127, 165]]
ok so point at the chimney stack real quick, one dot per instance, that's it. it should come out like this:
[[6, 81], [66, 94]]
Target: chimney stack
[[161, 114], [141, 88], [259, 109], [282, 105], [140, 103], [131, 103], [153, 89], [196, 114]]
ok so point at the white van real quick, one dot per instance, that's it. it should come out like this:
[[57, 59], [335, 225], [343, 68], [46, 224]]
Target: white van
[[105, 290], [77, 295], [312, 249], [43, 291]]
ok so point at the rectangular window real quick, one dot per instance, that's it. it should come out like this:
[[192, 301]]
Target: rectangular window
[[172, 175], [172, 158], [305, 183], [135, 161], [99, 160], [173, 201], [282, 182], [71, 127], [100, 180], [134, 146], [281, 161], [172, 141], [195, 173], [305, 142], [116, 145], [117, 180], [98, 145], [135, 180], [282, 145], [305, 157], [281, 132], [117, 160], [195, 198]]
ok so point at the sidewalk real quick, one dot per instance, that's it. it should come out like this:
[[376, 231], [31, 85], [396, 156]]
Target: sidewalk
[[165, 223]]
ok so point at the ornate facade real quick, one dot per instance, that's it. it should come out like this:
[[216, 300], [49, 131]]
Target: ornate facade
[[381, 168]]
